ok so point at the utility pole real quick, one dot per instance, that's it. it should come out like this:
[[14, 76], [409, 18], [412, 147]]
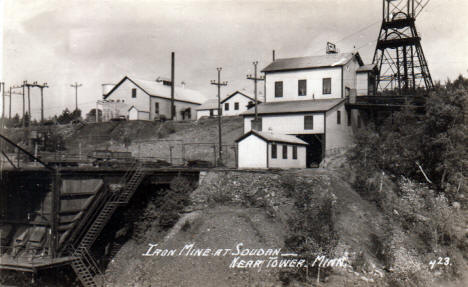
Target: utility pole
[[172, 85], [255, 79], [29, 99], [2, 86], [23, 122], [219, 84], [13, 93], [76, 86], [35, 84], [9, 103]]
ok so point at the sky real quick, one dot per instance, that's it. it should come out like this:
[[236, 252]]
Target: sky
[[92, 42]]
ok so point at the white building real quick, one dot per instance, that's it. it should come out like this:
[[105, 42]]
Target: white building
[[306, 96], [149, 100], [268, 150], [208, 109], [232, 105]]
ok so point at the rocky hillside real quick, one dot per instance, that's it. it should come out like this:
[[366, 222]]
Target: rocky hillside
[[261, 210]]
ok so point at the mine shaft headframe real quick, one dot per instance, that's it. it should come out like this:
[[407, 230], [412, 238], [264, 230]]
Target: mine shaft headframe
[[402, 8], [398, 54]]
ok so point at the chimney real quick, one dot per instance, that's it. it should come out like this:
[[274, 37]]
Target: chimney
[[273, 55], [182, 84]]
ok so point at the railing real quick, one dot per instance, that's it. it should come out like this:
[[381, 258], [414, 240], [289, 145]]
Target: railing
[[387, 100], [83, 266]]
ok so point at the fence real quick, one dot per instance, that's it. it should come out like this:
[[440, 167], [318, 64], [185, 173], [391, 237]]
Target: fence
[[181, 153]]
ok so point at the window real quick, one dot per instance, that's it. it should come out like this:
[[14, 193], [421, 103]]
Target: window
[[133, 93], [294, 152], [273, 151], [236, 106], [226, 106], [308, 122], [256, 124], [156, 108], [326, 86], [302, 87], [211, 113], [371, 85], [278, 89], [338, 117], [285, 152], [349, 117]]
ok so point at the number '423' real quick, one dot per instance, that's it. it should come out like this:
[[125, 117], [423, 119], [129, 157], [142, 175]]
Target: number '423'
[[440, 261]]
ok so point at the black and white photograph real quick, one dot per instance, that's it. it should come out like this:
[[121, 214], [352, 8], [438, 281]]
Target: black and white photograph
[[243, 143]]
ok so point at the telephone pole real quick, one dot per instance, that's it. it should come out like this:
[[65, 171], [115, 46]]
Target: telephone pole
[[9, 103], [76, 86], [219, 84], [172, 85], [35, 84], [255, 79], [23, 122], [2, 86], [16, 93]]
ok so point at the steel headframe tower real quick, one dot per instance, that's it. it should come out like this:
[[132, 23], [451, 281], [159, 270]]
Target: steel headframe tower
[[398, 54]]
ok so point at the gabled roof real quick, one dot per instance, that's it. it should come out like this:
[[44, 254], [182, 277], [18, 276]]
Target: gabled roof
[[274, 137], [240, 93], [367, 68], [312, 62], [133, 107], [212, 103], [287, 107], [157, 89]]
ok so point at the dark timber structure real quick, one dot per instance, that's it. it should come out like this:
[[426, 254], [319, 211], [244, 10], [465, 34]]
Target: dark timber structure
[[55, 215], [398, 54]]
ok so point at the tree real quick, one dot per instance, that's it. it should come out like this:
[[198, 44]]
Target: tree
[[424, 147]]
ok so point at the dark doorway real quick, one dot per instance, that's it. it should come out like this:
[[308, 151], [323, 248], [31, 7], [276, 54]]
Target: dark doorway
[[314, 150]]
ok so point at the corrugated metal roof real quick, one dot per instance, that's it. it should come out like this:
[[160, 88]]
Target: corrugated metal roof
[[328, 60], [208, 105], [160, 90], [321, 105], [274, 137]]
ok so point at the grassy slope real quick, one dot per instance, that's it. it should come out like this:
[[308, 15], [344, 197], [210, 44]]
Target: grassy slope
[[226, 215]]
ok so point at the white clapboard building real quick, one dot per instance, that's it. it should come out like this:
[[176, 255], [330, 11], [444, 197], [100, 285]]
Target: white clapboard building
[[268, 150], [233, 104], [305, 98], [137, 99]]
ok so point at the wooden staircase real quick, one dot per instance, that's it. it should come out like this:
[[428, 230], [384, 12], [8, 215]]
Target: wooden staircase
[[84, 265]]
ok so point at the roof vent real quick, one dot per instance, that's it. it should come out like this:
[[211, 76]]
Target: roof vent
[[165, 81], [331, 48]]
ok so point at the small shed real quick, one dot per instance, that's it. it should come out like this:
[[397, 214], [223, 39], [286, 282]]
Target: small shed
[[265, 150], [135, 114]]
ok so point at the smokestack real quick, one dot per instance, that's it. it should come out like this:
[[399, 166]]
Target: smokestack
[[273, 55], [172, 85]]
